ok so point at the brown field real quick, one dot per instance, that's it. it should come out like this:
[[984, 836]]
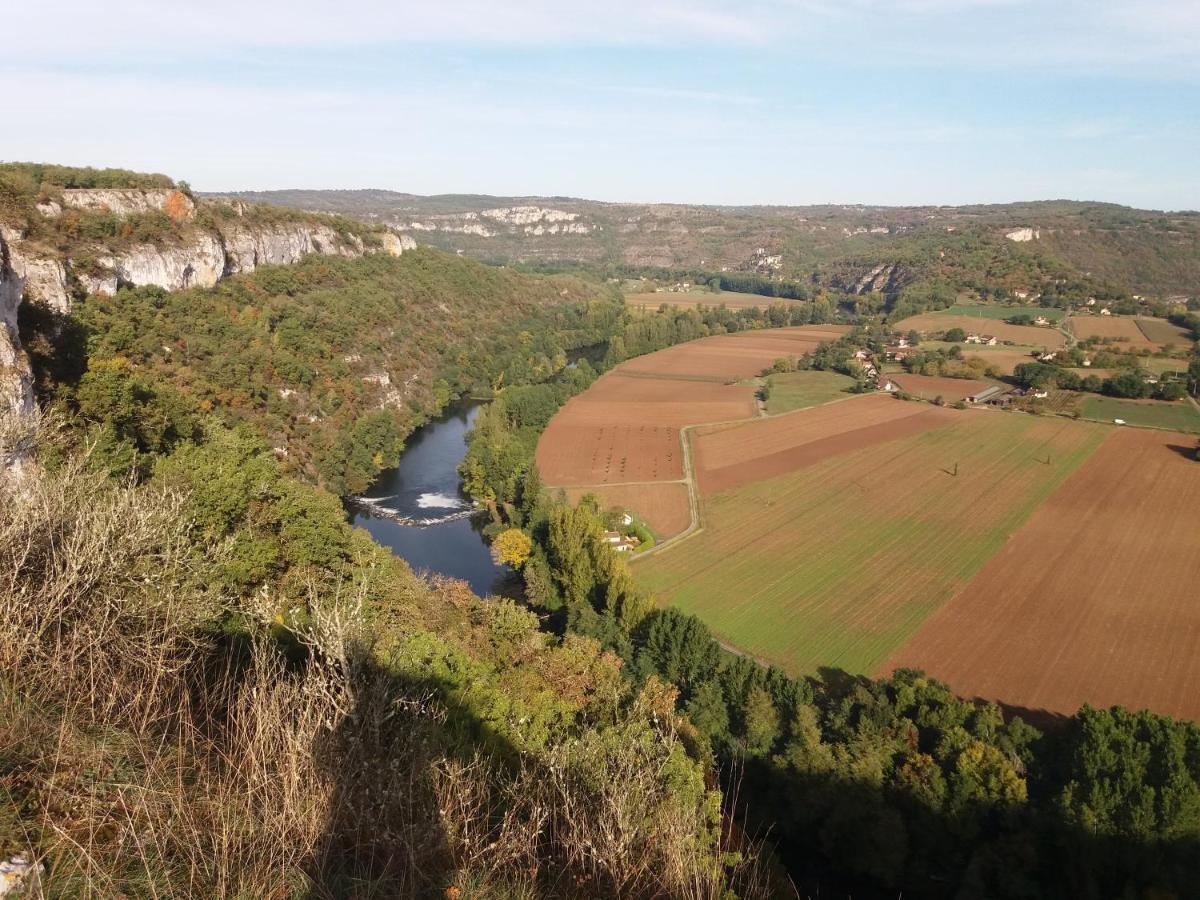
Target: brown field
[[1005, 361], [1120, 328], [729, 456], [604, 452], [626, 427], [725, 358], [654, 300], [1032, 335], [618, 397], [841, 562], [663, 506], [1093, 600], [1160, 331], [928, 387]]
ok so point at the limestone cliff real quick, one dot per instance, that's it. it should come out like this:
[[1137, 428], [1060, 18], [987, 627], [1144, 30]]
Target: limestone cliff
[[191, 255], [16, 380]]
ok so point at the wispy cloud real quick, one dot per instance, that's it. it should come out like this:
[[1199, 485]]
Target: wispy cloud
[[1144, 34]]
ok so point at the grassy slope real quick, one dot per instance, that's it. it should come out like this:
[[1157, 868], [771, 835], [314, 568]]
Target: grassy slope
[[1173, 416], [798, 390], [838, 564]]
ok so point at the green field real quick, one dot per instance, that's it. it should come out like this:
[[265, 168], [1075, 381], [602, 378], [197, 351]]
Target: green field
[[797, 390], [1158, 365], [1002, 312], [839, 563], [1181, 416]]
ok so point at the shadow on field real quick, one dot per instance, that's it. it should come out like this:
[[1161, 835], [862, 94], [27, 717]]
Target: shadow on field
[[1192, 452]]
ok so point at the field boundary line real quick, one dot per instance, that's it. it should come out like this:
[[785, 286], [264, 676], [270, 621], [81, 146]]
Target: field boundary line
[[695, 526]]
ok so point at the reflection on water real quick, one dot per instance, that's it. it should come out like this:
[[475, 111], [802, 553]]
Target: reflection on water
[[419, 511]]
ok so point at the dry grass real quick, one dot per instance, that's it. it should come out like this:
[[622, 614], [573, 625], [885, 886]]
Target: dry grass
[[146, 752]]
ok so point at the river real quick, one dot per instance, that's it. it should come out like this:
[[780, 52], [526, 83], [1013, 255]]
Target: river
[[419, 510], [425, 488]]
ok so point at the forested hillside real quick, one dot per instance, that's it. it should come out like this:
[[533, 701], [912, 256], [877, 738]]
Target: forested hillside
[[836, 247], [333, 361]]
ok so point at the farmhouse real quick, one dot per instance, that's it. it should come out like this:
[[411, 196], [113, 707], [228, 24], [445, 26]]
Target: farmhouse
[[618, 542]]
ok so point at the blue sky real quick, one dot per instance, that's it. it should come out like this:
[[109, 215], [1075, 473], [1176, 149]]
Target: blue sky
[[763, 101]]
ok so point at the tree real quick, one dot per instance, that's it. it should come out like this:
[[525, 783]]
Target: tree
[[955, 335], [512, 548]]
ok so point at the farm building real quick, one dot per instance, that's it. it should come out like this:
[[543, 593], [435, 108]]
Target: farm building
[[950, 390]]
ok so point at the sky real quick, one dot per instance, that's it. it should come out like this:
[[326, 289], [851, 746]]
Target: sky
[[696, 101]]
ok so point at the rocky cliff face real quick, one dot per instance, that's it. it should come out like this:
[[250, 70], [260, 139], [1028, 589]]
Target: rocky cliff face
[[199, 257], [16, 380]]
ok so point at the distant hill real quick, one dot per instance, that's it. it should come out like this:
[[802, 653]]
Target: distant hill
[[1016, 246]]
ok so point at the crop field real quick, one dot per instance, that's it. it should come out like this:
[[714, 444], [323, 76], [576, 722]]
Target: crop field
[[1178, 416], [839, 563], [663, 506], [725, 358], [629, 398], [729, 456], [1158, 364], [1004, 361], [1031, 335], [1004, 312], [1160, 331], [1093, 600], [1118, 328], [654, 300], [927, 387], [625, 429], [607, 452], [799, 390]]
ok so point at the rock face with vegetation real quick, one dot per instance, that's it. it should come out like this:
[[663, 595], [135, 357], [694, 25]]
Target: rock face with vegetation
[[1023, 247], [60, 243]]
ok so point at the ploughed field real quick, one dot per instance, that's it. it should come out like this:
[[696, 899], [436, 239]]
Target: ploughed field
[[930, 387], [1132, 332], [624, 431], [654, 299], [840, 560], [1042, 562], [1094, 600], [1041, 336], [662, 505], [729, 456]]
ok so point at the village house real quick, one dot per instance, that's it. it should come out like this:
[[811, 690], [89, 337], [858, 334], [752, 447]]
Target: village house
[[619, 542], [988, 339], [1041, 320], [1106, 311], [1046, 357]]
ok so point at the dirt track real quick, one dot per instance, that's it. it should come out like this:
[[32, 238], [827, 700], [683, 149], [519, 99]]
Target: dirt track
[[628, 426], [1093, 601]]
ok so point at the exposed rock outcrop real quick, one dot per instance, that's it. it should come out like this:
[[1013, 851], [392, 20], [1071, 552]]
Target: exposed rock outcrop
[[176, 204], [199, 262], [43, 276], [193, 257], [1022, 235], [16, 379], [248, 247]]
